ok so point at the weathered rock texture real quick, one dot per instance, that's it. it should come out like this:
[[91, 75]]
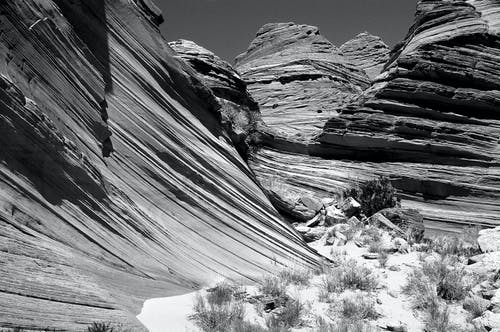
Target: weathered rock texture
[[435, 108], [117, 180], [240, 113], [430, 120], [368, 52], [298, 79]]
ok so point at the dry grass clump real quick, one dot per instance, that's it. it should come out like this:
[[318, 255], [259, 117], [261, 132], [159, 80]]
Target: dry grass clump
[[371, 235], [442, 277], [285, 317], [272, 286], [349, 275], [295, 276], [100, 327], [357, 307], [220, 311], [451, 280], [344, 325], [383, 257], [438, 319], [475, 305], [247, 327], [461, 245]]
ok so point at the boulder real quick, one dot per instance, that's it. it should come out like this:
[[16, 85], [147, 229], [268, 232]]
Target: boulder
[[328, 201], [488, 320], [350, 207], [485, 263], [334, 216], [409, 220], [489, 239], [379, 220], [312, 203], [315, 234]]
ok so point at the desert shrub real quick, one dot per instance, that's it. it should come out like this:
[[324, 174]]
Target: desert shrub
[[100, 327], [273, 324], [285, 317], [221, 293], [375, 247], [290, 315], [438, 319], [272, 286], [456, 245], [357, 307], [451, 280], [244, 326], [383, 257], [439, 278], [217, 312], [374, 195], [344, 325], [349, 275], [295, 276], [337, 256], [371, 235], [420, 288], [475, 305]]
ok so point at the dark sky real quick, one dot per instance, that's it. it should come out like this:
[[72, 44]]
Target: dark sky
[[227, 27]]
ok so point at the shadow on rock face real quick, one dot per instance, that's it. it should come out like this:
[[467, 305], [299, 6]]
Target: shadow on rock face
[[88, 18]]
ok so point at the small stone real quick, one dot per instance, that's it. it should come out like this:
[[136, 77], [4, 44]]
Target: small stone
[[353, 221], [393, 293], [370, 255], [302, 229]]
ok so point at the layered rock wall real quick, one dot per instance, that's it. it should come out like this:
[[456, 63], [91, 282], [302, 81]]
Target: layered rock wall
[[117, 180]]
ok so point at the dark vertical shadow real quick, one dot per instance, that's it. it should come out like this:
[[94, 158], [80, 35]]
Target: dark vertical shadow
[[88, 18]]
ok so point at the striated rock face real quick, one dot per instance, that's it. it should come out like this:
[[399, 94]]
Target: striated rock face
[[240, 113], [117, 181], [435, 107], [429, 121], [298, 79], [368, 52]]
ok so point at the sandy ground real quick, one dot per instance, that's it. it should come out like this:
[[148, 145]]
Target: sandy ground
[[168, 314], [171, 314]]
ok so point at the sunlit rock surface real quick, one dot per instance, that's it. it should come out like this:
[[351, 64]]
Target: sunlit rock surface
[[298, 78], [436, 105], [117, 180], [429, 121], [240, 113], [367, 51]]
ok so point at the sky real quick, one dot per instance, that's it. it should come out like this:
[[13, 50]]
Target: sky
[[226, 27]]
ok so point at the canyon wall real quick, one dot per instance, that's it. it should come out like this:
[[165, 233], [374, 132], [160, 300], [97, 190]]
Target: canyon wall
[[425, 115], [118, 179]]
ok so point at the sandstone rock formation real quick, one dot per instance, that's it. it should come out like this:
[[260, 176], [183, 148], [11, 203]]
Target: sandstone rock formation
[[298, 78], [240, 113], [117, 180], [429, 122], [368, 52], [435, 108]]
